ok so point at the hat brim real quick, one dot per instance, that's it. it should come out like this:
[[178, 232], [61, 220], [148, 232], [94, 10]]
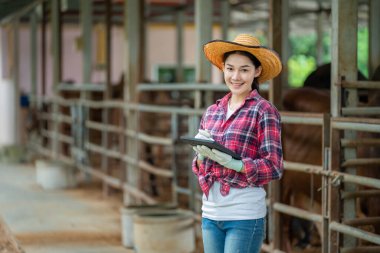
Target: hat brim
[[269, 59]]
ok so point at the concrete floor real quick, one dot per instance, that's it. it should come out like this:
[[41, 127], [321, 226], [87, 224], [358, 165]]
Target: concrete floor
[[76, 220]]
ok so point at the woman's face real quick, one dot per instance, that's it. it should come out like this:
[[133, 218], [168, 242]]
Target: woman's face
[[239, 73]]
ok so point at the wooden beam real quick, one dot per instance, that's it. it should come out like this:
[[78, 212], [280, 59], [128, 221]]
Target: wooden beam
[[33, 55], [57, 66], [16, 80], [278, 24], [203, 26], [343, 50], [225, 18], [344, 67], [133, 41], [180, 27], [374, 36], [334, 192], [107, 92], [86, 25]]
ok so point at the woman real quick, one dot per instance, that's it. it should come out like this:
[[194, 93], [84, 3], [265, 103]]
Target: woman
[[233, 203]]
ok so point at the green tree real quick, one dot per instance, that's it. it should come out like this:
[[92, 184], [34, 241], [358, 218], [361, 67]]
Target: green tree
[[300, 66], [303, 55], [303, 58], [363, 50]]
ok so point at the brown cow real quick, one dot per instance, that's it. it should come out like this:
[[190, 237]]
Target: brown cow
[[303, 144]]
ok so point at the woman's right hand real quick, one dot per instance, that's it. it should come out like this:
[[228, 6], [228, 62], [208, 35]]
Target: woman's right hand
[[205, 135]]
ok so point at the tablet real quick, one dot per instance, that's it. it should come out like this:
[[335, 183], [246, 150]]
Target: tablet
[[211, 144]]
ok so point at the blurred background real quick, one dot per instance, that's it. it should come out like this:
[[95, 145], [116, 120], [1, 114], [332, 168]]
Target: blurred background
[[95, 94]]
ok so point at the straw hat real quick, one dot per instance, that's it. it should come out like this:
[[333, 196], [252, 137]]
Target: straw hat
[[269, 59]]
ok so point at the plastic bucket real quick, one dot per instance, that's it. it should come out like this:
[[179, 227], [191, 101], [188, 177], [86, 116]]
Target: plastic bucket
[[52, 175], [168, 231], [127, 214]]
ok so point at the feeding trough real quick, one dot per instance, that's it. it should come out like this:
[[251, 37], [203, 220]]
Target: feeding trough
[[167, 231], [52, 175], [127, 214]]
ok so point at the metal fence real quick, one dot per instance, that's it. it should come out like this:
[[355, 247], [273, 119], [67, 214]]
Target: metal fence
[[98, 146]]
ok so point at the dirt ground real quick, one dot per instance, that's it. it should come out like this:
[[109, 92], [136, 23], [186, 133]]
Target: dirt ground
[[79, 220], [8, 243]]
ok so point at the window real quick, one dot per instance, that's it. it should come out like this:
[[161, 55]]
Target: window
[[166, 74]]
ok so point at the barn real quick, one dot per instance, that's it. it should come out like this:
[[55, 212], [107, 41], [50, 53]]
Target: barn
[[96, 94]]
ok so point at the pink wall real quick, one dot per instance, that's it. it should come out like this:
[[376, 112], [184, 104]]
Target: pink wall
[[160, 48]]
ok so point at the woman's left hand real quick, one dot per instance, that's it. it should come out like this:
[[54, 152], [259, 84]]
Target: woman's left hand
[[221, 158]]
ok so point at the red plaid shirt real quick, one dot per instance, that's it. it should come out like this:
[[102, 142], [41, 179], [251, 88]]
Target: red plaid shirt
[[254, 132]]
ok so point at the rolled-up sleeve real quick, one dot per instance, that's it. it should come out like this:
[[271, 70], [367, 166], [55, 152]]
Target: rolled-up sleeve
[[268, 165]]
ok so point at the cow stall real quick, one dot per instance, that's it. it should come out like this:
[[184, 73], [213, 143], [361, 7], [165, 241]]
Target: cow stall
[[130, 142]]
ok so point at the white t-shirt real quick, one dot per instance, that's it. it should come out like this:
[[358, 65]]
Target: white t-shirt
[[240, 204]]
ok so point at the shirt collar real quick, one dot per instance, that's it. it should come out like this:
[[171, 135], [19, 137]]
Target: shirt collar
[[222, 102]]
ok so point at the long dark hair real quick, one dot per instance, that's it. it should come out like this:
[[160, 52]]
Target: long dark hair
[[255, 61]]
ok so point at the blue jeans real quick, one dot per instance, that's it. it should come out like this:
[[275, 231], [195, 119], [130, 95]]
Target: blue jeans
[[240, 236]]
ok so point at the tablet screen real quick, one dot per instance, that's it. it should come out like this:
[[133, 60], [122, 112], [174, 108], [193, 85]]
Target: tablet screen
[[211, 144]]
